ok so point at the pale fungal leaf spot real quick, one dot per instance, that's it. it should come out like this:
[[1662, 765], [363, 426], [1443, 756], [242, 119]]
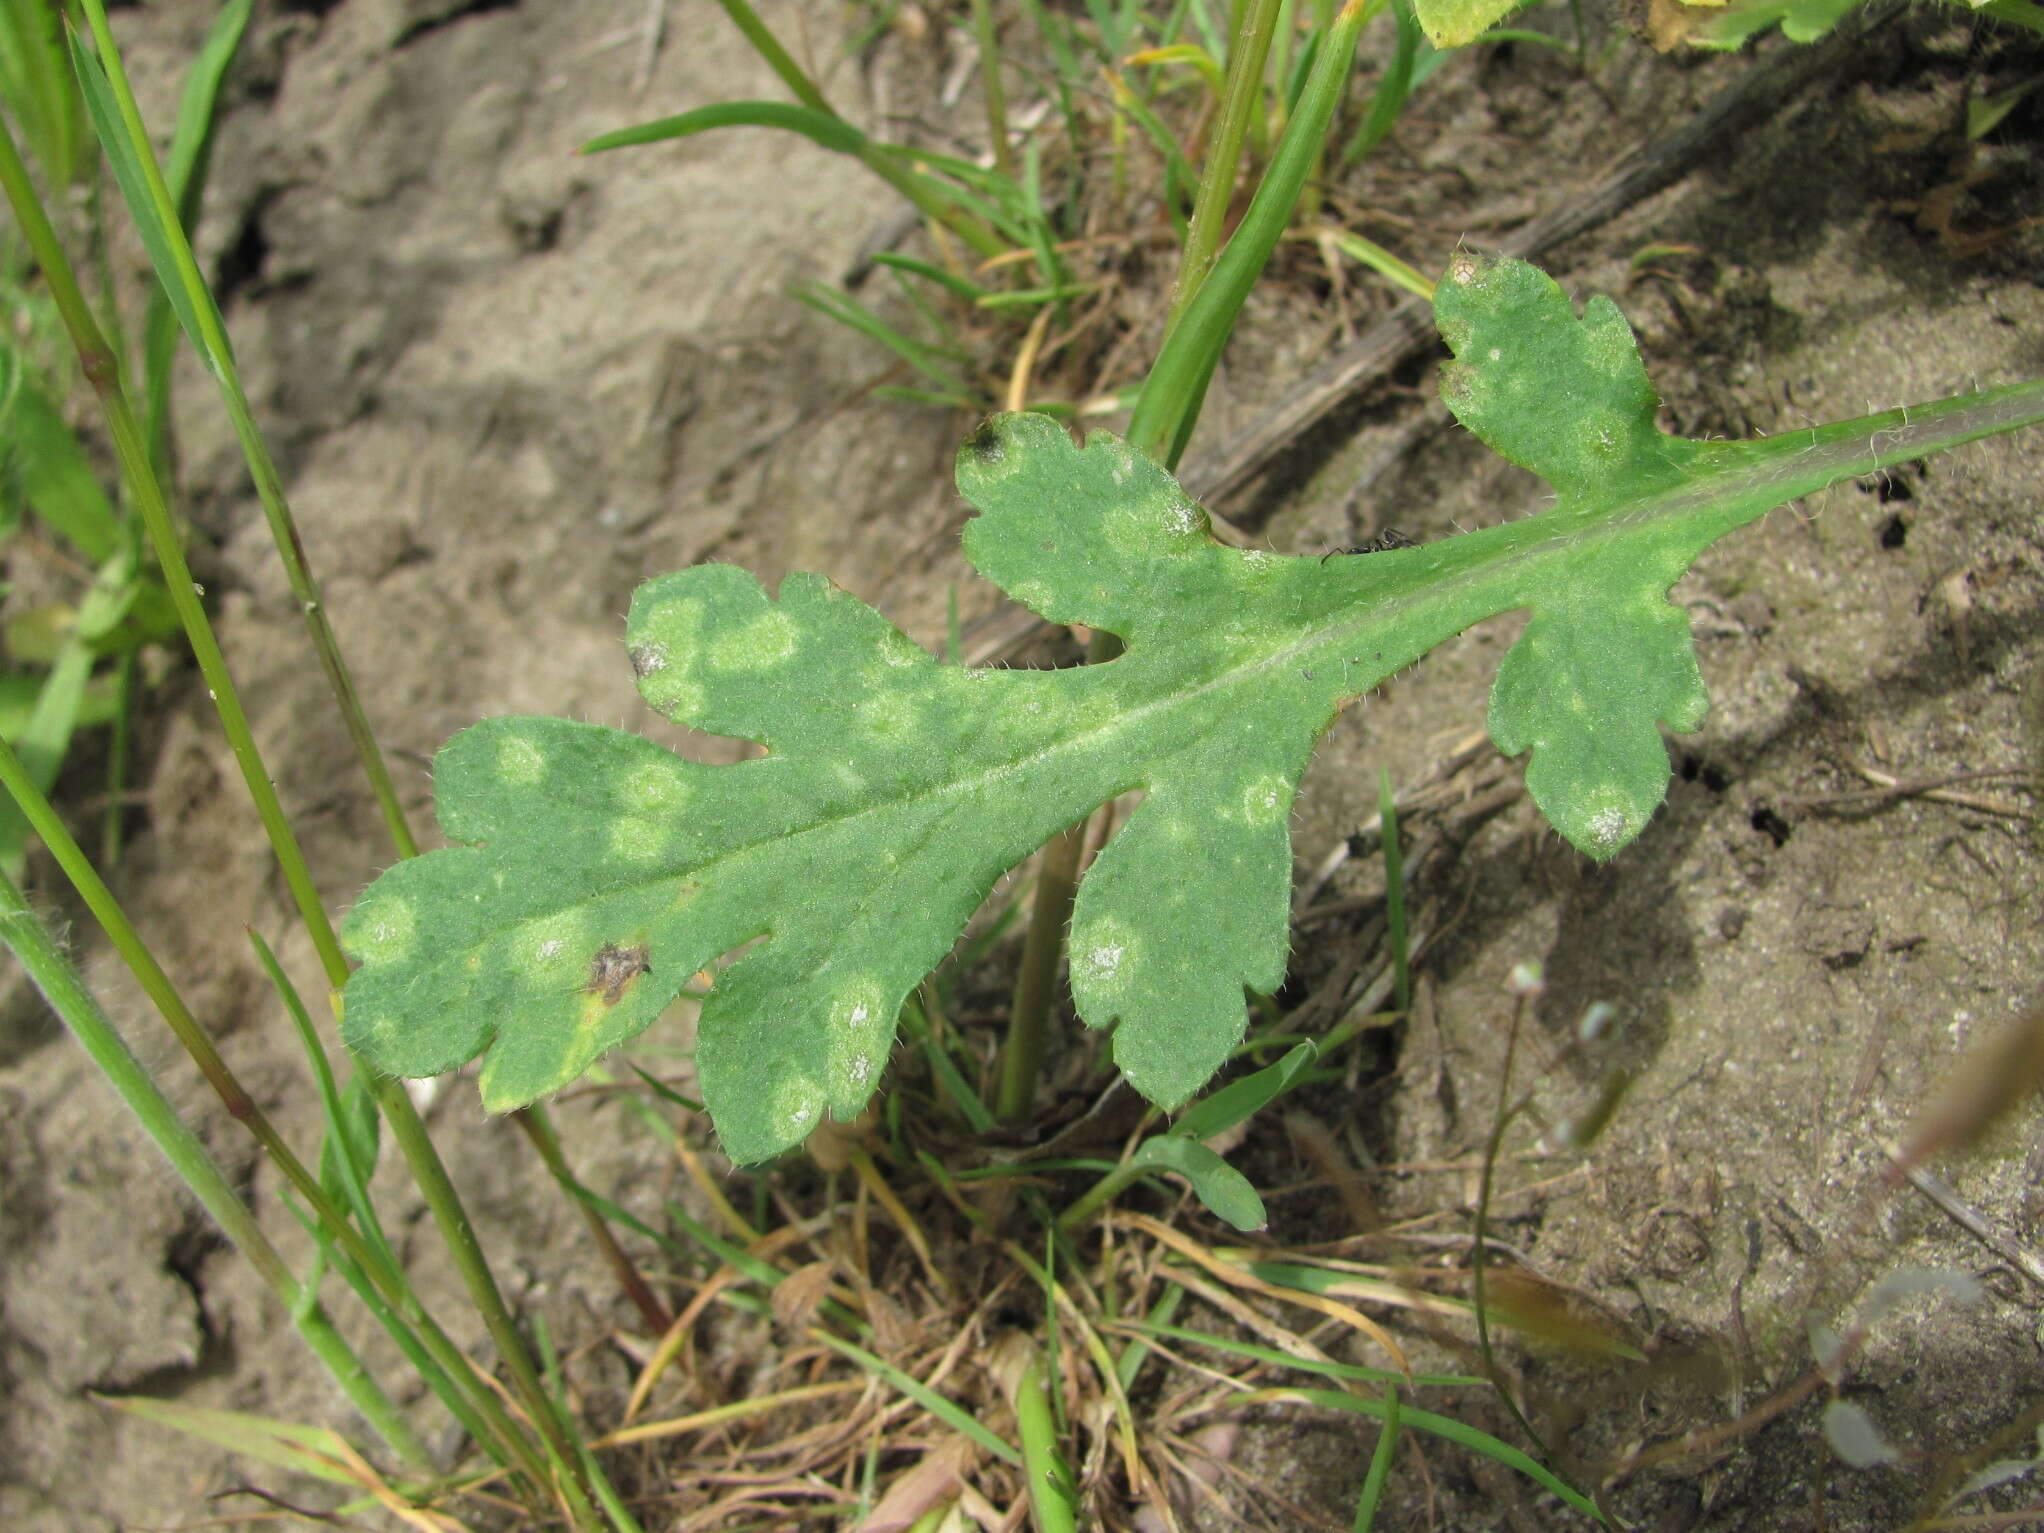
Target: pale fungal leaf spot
[[392, 928], [854, 1009], [1103, 962], [656, 790], [635, 839], [897, 649], [1263, 800], [1607, 828], [1181, 518], [798, 1103], [766, 641], [648, 658], [520, 760], [672, 693], [1496, 355], [548, 950], [860, 1069]]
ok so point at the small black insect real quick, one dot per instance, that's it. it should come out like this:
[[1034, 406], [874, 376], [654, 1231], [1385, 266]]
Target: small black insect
[[1382, 543]]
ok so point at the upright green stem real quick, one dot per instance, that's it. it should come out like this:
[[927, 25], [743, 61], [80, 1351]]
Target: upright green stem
[[1170, 404], [1244, 94], [53, 974], [212, 342], [1057, 877]]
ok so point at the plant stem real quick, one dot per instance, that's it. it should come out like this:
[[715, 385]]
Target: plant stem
[[538, 1127], [1224, 152], [1051, 1491], [54, 975], [1057, 877], [1170, 404], [212, 342]]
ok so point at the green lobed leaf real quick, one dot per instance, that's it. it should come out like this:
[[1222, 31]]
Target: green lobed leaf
[[599, 871]]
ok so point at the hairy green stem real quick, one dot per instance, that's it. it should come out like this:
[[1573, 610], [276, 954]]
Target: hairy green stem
[[53, 974], [1052, 1494]]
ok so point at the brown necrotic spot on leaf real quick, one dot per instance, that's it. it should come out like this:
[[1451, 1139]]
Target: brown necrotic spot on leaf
[[613, 969]]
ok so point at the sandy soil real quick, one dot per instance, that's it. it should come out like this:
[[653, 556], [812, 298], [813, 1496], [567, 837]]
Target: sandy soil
[[506, 384]]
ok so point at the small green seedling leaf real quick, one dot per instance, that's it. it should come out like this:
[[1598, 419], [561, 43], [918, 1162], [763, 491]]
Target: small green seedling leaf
[[597, 872], [1240, 1100], [1225, 1191]]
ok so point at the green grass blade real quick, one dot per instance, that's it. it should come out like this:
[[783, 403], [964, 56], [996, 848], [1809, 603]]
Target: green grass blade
[[825, 129], [768, 47], [185, 172], [145, 208], [1446, 1427], [1330, 1370], [1387, 102], [37, 85], [952, 283], [1394, 892], [1379, 1474], [953, 1416]]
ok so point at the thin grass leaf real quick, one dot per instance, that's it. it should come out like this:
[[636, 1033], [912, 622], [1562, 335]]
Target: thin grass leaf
[[1440, 1426], [37, 85], [951, 282], [185, 171], [1325, 1369], [1394, 893], [1394, 87], [952, 1415], [1379, 1473], [306, 1450], [124, 157]]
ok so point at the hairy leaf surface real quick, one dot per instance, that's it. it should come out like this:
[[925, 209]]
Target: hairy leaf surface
[[599, 871]]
